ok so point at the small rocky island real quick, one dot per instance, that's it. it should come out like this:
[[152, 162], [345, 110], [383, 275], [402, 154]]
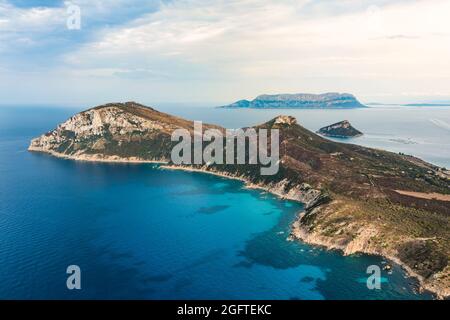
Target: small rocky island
[[330, 100], [356, 199], [342, 129]]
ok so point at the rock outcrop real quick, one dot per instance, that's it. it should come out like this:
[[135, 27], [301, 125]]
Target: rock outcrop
[[341, 129], [287, 120]]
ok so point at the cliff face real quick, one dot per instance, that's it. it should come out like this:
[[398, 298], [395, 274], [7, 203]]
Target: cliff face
[[112, 132], [357, 199], [300, 100], [341, 129]]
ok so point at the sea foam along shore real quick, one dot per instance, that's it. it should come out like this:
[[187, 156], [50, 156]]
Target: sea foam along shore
[[297, 231]]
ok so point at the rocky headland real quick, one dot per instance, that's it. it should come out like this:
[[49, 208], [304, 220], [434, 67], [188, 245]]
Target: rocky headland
[[357, 199]]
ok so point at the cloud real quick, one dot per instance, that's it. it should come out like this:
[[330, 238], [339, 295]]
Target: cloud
[[261, 37], [14, 19], [215, 49], [31, 25], [19, 26]]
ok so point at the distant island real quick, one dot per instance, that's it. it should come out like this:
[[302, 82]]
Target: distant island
[[341, 129], [329, 100], [356, 199]]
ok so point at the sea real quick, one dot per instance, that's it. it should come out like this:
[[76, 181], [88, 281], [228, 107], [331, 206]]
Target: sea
[[137, 231]]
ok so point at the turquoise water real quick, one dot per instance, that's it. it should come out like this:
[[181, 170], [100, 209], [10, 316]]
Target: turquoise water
[[141, 232]]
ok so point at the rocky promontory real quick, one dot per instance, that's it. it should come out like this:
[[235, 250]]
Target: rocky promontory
[[357, 199]]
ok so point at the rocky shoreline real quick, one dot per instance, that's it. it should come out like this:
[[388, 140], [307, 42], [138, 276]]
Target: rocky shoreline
[[95, 157], [299, 233], [308, 197], [304, 194]]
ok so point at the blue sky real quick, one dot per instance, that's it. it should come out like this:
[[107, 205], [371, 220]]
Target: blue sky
[[213, 51]]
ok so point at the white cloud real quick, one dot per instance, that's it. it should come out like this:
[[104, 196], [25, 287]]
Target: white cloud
[[19, 27], [228, 49], [251, 33], [14, 19], [264, 41]]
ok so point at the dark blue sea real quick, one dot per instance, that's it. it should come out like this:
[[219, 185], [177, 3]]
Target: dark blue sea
[[141, 232]]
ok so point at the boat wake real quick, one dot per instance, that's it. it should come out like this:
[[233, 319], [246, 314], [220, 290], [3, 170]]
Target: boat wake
[[441, 124]]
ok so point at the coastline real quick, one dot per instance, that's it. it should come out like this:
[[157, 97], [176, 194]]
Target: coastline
[[298, 232], [247, 183], [96, 157]]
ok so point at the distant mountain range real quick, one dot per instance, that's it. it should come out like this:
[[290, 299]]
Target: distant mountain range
[[329, 100]]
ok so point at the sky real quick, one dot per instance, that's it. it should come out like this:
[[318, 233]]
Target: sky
[[220, 51]]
